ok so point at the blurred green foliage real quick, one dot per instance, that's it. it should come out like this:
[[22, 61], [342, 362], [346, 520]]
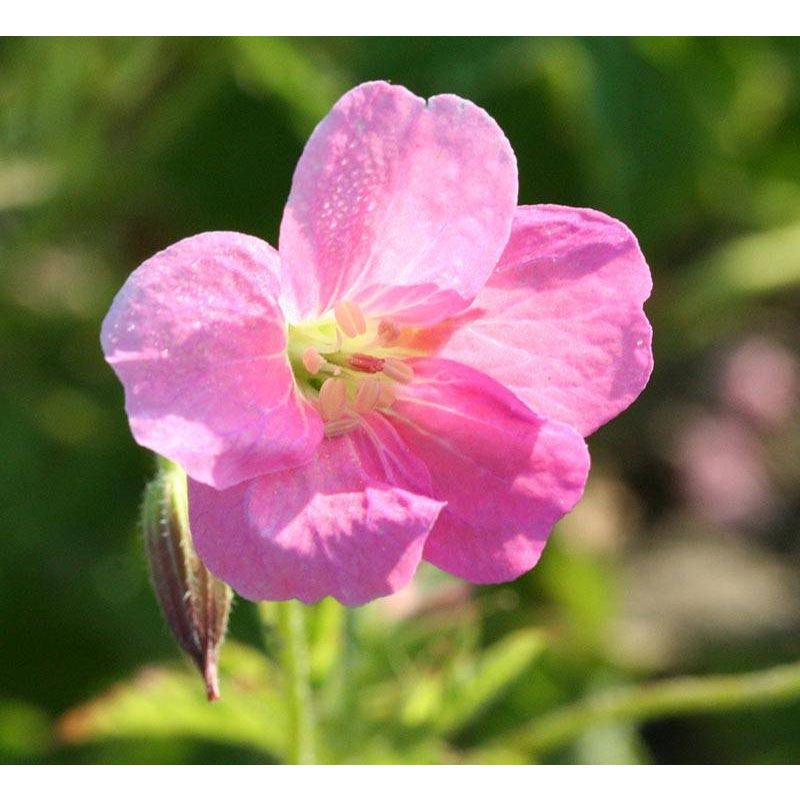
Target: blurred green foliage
[[112, 149]]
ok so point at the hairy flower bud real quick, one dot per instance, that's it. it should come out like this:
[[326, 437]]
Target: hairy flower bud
[[195, 604]]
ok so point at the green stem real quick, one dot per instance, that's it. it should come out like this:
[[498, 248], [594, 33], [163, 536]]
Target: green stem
[[660, 699], [290, 620]]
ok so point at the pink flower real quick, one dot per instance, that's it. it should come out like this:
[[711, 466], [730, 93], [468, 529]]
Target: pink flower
[[409, 377]]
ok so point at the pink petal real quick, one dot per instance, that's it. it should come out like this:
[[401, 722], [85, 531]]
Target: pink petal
[[401, 205], [351, 523], [506, 474], [560, 321], [197, 339]]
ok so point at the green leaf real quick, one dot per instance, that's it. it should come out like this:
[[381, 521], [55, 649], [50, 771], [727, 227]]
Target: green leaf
[[24, 731], [732, 278], [167, 702], [501, 665], [307, 83]]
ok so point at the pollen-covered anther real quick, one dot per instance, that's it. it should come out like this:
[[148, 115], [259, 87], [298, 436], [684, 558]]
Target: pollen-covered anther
[[363, 362], [398, 370], [368, 395], [339, 426], [388, 332], [332, 399], [312, 360], [350, 318]]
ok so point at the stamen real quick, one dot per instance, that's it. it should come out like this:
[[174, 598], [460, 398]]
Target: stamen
[[397, 370], [368, 394], [339, 426], [312, 360], [332, 399], [350, 318], [388, 332], [362, 362]]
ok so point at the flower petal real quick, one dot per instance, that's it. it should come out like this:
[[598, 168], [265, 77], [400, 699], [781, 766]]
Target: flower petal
[[197, 339], [351, 523], [506, 474], [560, 322], [401, 205]]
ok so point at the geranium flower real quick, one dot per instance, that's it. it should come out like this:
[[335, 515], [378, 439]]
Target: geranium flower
[[410, 376]]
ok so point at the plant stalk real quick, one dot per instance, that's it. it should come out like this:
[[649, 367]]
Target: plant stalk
[[290, 620], [669, 697]]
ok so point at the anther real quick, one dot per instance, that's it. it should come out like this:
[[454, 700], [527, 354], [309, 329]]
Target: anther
[[397, 370], [368, 394], [332, 399], [350, 318], [388, 332], [362, 362], [312, 360], [339, 426]]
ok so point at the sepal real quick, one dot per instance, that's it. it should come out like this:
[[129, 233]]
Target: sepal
[[194, 603]]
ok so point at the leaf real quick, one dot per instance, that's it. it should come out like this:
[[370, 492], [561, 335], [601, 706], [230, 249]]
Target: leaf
[[498, 668], [613, 743], [308, 84], [24, 731], [24, 182], [164, 702], [719, 286], [424, 701]]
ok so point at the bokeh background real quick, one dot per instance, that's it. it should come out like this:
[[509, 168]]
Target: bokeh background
[[682, 558]]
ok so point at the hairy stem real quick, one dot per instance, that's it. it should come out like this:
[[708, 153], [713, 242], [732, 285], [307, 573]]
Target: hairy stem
[[290, 620]]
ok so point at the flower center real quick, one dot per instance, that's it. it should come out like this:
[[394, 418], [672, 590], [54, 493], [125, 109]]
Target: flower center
[[347, 365]]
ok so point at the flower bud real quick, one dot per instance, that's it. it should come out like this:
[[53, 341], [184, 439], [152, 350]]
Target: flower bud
[[195, 604]]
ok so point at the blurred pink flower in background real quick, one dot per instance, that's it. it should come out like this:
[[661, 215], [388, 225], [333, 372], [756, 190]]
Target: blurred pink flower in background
[[723, 471], [761, 380], [409, 377], [723, 457]]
